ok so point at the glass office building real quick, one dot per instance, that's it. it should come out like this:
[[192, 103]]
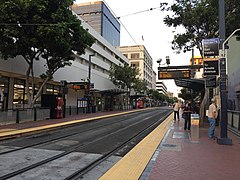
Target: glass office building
[[100, 18]]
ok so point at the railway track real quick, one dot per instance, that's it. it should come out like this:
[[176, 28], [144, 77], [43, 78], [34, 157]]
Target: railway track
[[81, 146]]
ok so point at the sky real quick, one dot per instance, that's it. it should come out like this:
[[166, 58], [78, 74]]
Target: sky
[[148, 29]]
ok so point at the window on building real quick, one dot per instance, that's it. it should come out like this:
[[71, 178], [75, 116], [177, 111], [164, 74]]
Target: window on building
[[19, 92], [135, 56], [49, 89], [56, 90], [4, 86]]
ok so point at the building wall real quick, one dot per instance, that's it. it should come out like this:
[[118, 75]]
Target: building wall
[[98, 15], [105, 55], [161, 87], [154, 77], [141, 59], [233, 69]]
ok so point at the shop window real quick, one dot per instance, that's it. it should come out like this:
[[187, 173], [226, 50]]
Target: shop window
[[4, 91], [49, 89], [19, 92], [56, 90]]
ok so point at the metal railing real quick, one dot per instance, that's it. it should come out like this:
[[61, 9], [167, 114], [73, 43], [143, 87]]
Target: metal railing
[[234, 120], [12, 116]]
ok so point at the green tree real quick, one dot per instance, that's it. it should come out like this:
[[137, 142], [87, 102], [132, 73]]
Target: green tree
[[140, 86], [124, 77], [41, 30], [199, 20], [186, 94]]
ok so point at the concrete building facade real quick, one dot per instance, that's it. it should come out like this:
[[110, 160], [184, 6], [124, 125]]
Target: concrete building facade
[[161, 87], [233, 73], [99, 16], [13, 80], [141, 59]]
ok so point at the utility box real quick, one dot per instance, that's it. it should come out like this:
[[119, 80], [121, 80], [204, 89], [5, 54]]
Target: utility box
[[194, 126]]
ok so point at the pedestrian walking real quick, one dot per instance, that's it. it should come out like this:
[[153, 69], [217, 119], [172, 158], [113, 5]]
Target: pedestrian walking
[[176, 108], [187, 110], [212, 115]]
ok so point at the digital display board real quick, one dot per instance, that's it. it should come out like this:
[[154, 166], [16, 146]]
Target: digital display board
[[174, 74]]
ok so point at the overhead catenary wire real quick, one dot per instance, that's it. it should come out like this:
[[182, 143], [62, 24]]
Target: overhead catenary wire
[[138, 12], [56, 24], [118, 17], [35, 24]]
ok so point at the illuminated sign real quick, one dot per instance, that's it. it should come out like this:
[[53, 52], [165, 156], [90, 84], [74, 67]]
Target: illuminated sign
[[210, 68], [211, 47], [174, 74], [79, 86]]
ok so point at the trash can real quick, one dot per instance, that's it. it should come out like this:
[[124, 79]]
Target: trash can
[[194, 126]]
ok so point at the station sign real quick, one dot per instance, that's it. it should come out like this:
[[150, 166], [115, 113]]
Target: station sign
[[174, 74], [211, 68], [211, 47], [211, 82], [79, 86]]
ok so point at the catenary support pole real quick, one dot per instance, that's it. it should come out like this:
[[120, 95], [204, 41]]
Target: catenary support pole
[[223, 140]]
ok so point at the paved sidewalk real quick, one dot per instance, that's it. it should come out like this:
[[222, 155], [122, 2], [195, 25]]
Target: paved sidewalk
[[180, 158]]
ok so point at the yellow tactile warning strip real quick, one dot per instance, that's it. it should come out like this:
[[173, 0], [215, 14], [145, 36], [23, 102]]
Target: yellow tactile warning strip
[[15, 133], [6, 130], [133, 163]]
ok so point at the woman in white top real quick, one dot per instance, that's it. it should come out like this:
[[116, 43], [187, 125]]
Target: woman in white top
[[176, 108]]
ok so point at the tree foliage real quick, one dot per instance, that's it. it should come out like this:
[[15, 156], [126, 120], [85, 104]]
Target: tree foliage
[[123, 76], [156, 96], [140, 86], [187, 95], [199, 20], [38, 30]]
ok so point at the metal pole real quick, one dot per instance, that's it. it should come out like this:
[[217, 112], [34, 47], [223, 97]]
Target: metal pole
[[224, 140], [89, 82], [192, 70], [192, 77]]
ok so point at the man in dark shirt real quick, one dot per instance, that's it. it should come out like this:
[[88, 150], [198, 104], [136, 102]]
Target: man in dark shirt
[[187, 110]]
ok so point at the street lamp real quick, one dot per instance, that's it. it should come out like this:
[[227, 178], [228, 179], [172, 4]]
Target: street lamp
[[89, 82], [159, 61], [167, 61]]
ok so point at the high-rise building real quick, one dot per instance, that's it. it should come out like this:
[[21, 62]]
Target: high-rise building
[[101, 19], [141, 59], [161, 87]]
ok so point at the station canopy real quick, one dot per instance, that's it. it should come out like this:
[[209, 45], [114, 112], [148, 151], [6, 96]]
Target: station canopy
[[113, 91], [194, 84]]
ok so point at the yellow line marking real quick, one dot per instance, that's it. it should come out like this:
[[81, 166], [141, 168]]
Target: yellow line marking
[[6, 130], [45, 127], [133, 163]]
